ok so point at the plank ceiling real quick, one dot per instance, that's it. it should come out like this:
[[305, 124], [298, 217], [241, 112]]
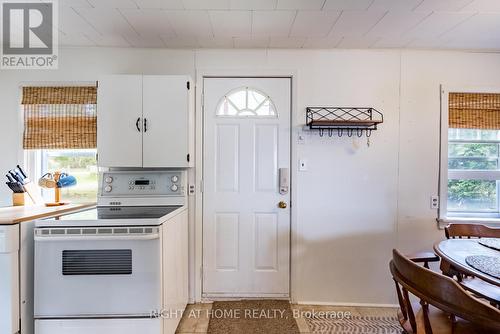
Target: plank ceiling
[[427, 24]]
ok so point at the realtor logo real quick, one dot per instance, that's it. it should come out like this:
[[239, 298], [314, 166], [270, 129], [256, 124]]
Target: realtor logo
[[29, 34]]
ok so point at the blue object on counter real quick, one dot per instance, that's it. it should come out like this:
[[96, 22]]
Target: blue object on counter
[[66, 180]]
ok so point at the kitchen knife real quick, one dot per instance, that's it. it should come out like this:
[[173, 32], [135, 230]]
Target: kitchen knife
[[15, 187], [15, 176], [11, 180], [19, 188], [20, 177], [19, 171], [10, 185], [18, 180], [22, 172]]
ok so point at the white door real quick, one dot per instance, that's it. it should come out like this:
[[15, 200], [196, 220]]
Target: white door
[[119, 118], [246, 236], [165, 120]]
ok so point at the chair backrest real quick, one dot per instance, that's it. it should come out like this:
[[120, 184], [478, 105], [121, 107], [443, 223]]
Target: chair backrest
[[440, 291], [471, 230]]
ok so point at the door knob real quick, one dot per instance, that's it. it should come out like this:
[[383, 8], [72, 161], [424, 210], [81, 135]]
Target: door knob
[[282, 205]]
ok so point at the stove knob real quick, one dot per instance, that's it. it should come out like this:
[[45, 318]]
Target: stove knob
[[175, 178], [108, 179], [108, 188], [174, 187]]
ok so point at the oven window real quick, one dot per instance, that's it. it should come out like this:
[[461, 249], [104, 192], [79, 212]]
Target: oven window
[[97, 262]]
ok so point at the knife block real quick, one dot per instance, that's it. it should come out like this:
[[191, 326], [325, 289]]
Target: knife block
[[21, 199]]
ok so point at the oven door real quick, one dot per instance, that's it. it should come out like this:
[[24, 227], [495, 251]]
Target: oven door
[[97, 272]]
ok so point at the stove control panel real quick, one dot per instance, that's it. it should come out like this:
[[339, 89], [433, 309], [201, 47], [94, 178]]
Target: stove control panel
[[142, 183]]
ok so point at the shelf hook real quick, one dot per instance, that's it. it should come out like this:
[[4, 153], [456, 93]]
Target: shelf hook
[[340, 132], [368, 133], [330, 132], [359, 132], [349, 132], [321, 132]]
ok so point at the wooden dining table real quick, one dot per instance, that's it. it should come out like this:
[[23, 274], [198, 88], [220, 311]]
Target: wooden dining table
[[454, 252]]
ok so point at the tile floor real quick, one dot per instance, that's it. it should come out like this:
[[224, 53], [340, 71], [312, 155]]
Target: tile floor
[[195, 319]]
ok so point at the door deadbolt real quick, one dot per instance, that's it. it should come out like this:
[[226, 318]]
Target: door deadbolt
[[284, 184]]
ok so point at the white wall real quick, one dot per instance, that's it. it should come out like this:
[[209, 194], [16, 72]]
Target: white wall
[[421, 75], [355, 203]]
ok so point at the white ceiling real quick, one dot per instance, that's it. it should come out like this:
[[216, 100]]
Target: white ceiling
[[435, 24]]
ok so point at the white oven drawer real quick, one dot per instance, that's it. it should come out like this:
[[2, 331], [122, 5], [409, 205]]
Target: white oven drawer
[[98, 326], [88, 273]]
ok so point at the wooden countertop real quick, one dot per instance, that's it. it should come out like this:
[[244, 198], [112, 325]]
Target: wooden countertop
[[17, 214]]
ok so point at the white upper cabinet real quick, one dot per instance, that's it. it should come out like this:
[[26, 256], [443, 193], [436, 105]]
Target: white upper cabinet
[[152, 121], [119, 114], [166, 119]]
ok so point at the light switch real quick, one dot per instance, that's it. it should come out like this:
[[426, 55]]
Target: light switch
[[302, 165], [301, 138]]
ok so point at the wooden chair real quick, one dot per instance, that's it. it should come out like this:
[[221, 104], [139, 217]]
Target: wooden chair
[[445, 307], [460, 231], [474, 285], [424, 257]]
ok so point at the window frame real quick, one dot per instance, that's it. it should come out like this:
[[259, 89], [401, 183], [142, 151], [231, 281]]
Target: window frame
[[469, 174], [32, 163]]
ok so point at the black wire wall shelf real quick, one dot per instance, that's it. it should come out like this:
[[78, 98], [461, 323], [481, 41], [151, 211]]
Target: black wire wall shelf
[[343, 120]]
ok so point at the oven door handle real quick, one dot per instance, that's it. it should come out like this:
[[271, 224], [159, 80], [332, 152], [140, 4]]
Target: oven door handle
[[98, 238]]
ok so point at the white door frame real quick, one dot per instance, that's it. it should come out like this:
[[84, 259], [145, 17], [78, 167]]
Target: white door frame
[[294, 125]]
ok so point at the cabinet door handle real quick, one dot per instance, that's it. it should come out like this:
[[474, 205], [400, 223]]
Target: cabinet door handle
[[137, 124], [145, 125]]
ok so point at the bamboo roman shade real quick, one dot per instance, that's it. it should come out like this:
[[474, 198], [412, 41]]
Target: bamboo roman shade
[[60, 117], [474, 111]]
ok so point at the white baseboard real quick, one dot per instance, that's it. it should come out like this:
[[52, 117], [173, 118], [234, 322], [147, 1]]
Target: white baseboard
[[311, 303], [240, 296], [345, 304]]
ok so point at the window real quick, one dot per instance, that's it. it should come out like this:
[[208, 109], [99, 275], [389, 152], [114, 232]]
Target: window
[[81, 164], [246, 102], [470, 185], [60, 135]]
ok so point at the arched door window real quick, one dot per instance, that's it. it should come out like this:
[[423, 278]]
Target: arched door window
[[246, 102]]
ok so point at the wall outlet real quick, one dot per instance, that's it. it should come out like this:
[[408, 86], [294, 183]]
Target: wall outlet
[[302, 165], [191, 189], [434, 202]]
